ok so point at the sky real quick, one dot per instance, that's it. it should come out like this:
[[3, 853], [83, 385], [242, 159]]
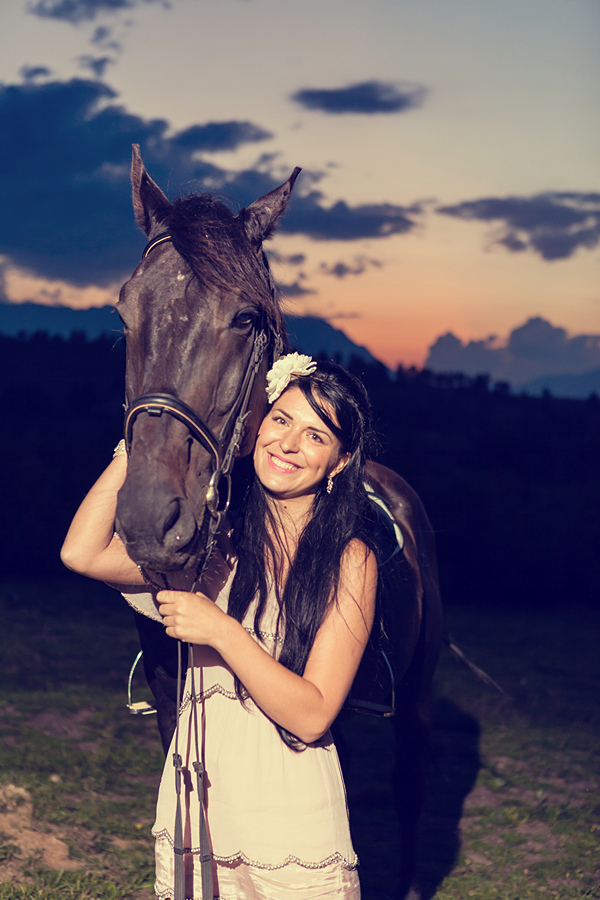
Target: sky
[[449, 151]]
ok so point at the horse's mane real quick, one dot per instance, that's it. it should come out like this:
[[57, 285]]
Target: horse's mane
[[215, 245]]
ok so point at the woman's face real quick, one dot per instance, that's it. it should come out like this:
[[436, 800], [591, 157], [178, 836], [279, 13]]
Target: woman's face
[[295, 450]]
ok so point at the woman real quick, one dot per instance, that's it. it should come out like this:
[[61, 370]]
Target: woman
[[275, 655]]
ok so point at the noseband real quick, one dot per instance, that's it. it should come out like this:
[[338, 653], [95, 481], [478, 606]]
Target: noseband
[[223, 448]]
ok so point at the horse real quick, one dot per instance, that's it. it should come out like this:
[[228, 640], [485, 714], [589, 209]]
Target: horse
[[203, 325]]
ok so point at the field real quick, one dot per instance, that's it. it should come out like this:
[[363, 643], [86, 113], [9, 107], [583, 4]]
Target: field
[[512, 808]]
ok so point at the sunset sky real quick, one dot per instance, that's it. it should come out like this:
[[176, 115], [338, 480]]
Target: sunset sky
[[450, 152]]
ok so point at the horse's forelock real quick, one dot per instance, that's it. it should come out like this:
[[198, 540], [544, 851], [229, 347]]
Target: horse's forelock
[[214, 244]]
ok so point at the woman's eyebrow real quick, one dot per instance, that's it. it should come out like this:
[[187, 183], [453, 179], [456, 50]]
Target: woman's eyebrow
[[322, 429]]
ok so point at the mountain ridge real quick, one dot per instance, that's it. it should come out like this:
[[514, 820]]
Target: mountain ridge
[[307, 334]]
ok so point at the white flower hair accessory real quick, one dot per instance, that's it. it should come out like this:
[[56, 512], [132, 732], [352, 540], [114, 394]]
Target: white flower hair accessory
[[293, 365]]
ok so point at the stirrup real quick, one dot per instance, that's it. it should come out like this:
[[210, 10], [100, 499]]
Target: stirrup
[[140, 707]]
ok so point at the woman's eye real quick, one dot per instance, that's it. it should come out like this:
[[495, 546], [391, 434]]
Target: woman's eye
[[317, 438]]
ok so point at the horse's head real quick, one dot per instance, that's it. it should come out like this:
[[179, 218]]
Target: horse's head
[[202, 326]]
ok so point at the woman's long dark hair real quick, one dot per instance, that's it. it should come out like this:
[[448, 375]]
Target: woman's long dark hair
[[337, 518]]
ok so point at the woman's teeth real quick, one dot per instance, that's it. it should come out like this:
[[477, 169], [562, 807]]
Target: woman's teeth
[[281, 464]]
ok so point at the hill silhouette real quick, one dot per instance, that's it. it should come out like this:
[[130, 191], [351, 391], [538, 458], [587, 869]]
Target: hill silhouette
[[310, 334], [511, 482]]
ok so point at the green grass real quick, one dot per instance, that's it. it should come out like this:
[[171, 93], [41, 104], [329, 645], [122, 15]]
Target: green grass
[[512, 811], [530, 825]]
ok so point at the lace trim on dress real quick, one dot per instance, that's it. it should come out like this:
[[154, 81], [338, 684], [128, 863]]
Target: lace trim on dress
[[203, 695], [336, 857], [265, 636]]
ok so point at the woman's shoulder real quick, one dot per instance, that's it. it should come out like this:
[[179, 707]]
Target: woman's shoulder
[[358, 553]]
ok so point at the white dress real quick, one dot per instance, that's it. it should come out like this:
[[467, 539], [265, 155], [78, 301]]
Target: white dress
[[277, 819]]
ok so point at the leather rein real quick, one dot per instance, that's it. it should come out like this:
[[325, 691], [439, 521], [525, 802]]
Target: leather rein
[[222, 448]]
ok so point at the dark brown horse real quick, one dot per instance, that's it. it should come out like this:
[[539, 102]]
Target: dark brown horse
[[203, 326]]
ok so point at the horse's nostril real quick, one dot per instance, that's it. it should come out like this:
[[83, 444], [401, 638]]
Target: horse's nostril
[[178, 526], [172, 516]]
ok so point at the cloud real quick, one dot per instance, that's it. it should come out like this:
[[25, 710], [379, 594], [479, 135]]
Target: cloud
[[365, 98], [215, 136], [77, 11], [294, 290], [341, 222], [342, 269], [32, 73], [96, 64], [553, 224], [533, 350], [295, 259], [103, 37], [68, 186]]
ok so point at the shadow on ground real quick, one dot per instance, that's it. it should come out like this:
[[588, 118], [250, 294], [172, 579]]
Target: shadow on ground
[[367, 750]]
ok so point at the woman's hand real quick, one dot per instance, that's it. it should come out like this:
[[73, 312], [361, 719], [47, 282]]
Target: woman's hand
[[192, 618]]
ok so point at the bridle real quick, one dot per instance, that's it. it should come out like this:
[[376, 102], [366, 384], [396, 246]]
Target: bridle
[[222, 448]]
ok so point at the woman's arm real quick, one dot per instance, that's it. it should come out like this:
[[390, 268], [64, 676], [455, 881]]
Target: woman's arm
[[90, 547], [304, 705]]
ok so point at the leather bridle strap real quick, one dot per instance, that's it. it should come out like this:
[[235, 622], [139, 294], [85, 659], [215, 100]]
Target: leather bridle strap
[[156, 403], [159, 239]]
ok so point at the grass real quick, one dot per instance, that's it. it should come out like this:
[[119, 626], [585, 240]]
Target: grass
[[512, 807], [530, 824]]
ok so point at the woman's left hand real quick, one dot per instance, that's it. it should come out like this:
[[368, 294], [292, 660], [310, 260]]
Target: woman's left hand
[[192, 618]]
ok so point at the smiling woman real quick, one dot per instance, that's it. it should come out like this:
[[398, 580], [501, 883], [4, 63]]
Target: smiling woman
[[276, 635], [275, 656]]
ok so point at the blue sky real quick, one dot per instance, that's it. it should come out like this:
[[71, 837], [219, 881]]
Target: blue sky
[[449, 152]]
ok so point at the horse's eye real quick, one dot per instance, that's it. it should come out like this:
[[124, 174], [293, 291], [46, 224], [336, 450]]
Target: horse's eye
[[245, 319]]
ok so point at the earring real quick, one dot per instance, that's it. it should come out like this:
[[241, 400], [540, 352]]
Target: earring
[[330, 484]]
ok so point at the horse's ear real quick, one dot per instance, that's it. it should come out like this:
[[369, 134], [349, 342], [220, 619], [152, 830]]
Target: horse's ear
[[150, 206], [261, 217]]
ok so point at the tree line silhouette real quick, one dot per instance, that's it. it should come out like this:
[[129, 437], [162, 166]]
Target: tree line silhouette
[[511, 482]]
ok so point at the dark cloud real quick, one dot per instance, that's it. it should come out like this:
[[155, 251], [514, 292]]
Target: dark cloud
[[96, 64], [68, 191], [341, 222], [533, 350], [76, 11], [215, 136], [294, 290], [32, 73], [554, 224], [68, 185], [103, 38], [366, 98], [342, 269], [294, 259]]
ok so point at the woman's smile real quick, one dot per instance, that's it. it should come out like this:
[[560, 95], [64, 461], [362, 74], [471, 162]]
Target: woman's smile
[[282, 465]]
